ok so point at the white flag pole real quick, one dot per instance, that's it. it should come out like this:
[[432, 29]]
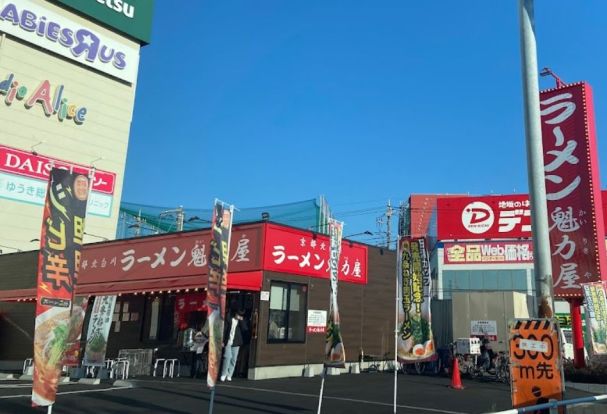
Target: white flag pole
[[396, 324], [322, 387]]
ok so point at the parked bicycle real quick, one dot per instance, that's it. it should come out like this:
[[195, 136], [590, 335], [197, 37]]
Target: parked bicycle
[[483, 365], [502, 367]]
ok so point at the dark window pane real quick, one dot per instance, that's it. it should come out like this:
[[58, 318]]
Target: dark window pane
[[288, 308], [277, 325]]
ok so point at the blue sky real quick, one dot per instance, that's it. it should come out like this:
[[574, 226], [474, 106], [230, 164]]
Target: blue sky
[[274, 101]]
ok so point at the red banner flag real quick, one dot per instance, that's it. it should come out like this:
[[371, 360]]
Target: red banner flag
[[219, 255], [58, 265]]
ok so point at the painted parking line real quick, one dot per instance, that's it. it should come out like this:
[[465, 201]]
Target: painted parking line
[[68, 392], [413, 407], [6, 386]]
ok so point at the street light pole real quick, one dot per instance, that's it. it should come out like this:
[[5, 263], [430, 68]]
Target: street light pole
[[535, 163]]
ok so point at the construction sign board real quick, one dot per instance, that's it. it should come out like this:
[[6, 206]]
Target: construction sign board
[[535, 362]]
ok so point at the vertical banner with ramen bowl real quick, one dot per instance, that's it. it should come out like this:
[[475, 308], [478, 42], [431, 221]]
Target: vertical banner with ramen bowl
[[596, 316], [58, 266], [99, 330], [415, 340], [335, 354], [221, 229], [74, 351]]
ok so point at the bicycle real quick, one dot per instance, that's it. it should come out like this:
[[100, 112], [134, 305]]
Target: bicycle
[[502, 367]]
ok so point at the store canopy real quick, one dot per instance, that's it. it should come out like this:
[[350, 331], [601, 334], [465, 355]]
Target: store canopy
[[242, 281]]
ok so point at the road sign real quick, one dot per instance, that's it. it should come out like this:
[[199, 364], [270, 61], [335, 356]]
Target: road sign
[[535, 362]]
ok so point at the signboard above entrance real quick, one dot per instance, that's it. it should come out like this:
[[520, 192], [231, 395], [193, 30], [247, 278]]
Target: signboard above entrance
[[133, 17], [302, 252]]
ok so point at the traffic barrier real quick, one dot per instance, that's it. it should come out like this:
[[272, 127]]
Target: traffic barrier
[[553, 404], [456, 381]]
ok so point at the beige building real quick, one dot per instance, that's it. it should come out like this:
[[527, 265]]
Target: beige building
[[67, 90]]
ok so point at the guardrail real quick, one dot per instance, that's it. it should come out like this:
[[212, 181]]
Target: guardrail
[[554, 404]]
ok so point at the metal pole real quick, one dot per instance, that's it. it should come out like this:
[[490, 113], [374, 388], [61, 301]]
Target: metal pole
[[535, 163], [322, 387], [398, 267], [211, 400], [396, 356]]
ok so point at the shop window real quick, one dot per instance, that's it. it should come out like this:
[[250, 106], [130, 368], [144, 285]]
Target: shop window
[[288, 307]]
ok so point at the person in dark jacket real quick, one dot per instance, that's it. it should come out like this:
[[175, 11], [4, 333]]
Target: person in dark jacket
[[232, 340]]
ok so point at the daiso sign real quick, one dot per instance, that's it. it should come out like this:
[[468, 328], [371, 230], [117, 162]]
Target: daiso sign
[[484, 217]]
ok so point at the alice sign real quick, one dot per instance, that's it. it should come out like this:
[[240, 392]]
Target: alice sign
[[51, 103], [33, 23]]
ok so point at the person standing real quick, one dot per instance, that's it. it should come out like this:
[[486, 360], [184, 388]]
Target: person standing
[[200, 340], [232, 339]]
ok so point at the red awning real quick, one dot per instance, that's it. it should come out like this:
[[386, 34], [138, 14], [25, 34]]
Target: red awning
[[240, 280]]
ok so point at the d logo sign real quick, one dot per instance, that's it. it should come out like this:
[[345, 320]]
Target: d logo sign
[[477, 217]]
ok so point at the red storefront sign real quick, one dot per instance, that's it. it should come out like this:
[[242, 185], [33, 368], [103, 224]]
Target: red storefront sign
[[484, 217], [488, 253], [172, 255], [575, 215], [27, 164], [299, 252]]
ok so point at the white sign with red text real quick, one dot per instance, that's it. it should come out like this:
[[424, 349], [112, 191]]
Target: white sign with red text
[[483, 329], [317, 321]]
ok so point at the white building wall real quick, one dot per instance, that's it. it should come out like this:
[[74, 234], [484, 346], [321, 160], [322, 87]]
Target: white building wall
[[101, 140]]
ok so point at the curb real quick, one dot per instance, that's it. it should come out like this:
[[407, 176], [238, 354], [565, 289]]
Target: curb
[[123, 383], [89, 381], [592, 388]]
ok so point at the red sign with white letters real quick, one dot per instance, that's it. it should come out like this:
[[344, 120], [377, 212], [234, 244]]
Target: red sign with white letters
[[299, 252], [27, 164], [171, 255], [575, 215], [484, 217]]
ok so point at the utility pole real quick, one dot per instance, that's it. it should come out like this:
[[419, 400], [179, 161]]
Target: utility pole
[[535, 163], [138, 223], [388, 227], [180, 218]]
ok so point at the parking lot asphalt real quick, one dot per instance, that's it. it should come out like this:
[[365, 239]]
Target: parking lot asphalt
[[366, 393]]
